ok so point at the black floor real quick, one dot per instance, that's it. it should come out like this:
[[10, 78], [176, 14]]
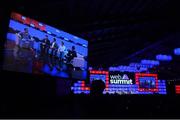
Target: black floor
[[89, 107]]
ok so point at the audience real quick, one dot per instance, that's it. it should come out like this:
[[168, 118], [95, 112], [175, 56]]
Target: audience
[[97, 87]]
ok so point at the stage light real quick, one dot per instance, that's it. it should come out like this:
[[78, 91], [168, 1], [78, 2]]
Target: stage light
[[48, 32], [75, 37], [66, 39], [177, 51], [84, 45], [24, 18], [150, 62], [40, 24], [164, 57], [32, 25], [57, 31]]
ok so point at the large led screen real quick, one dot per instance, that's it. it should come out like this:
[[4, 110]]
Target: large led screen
[[34, 47]]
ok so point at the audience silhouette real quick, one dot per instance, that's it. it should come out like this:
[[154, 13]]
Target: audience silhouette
[[97, 87]]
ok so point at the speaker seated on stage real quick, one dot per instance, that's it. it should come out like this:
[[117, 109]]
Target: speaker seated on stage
[[79, 61], [25, 40], [71, 55]]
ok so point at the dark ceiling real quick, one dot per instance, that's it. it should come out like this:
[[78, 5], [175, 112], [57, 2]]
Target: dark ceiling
[[115, 29]]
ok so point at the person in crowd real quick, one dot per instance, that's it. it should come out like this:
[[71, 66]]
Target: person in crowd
[[54, 47], [45, 45], [71, 54], [61, 51], [97, 87]]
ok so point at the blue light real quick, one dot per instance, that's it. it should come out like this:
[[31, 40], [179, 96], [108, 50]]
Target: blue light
[[75, 37], [86, 92], [57, 31], [162, 92], [79, 92], [150, 62], [164, 57], [66, 39], [131, 68], [11, 36], [75, 84], [177, 51], [79, 81]]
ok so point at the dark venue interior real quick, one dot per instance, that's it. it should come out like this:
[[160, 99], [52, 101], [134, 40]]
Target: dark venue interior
[[119, 32]]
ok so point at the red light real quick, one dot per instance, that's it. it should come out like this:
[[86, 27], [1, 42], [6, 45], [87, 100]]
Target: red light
[[36, 23], [92, 72], [27, 21], [17, 16], [87, 88], [177, 89], [82, 88]]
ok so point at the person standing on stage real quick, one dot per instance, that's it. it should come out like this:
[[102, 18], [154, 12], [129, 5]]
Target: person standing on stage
[[45, 45], [54, 47], [61, 51]]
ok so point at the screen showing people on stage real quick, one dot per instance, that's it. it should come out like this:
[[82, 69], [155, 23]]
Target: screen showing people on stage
[[147, 82], [34, 47]]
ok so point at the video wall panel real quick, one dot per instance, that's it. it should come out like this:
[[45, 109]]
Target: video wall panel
[[30, 42]]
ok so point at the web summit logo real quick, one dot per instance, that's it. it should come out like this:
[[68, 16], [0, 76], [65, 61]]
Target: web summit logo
[[118, 79]]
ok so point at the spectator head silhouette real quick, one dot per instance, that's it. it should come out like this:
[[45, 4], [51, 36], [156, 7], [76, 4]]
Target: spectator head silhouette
[[97, 87]]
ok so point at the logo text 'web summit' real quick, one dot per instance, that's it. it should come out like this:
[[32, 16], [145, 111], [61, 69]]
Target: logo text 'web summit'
[[118, 79]]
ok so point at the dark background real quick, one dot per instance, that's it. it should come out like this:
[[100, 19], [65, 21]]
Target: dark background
[[119, 32]]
